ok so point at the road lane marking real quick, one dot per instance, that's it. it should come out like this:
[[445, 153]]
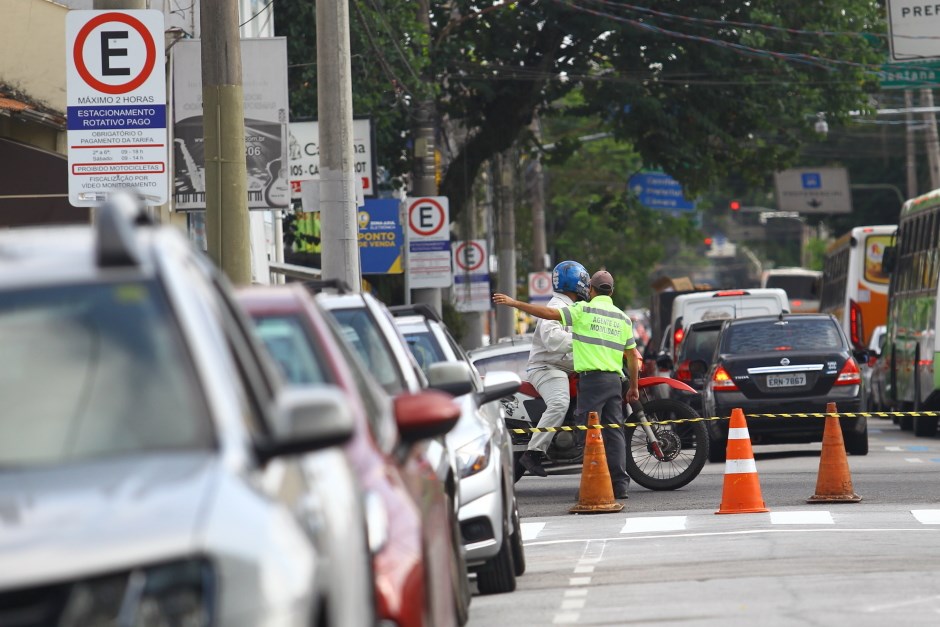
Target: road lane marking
[[654, 523], [531, 530], [896, 605], [914, 460], [894, 449], [579, 581], [573, 604], [566, 619], [927, 516], [583, 570], [576, 592], [802, 518]]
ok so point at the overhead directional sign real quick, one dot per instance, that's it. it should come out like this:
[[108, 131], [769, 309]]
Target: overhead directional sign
[[910, 75], [813, 190], [116, 103], [912, 29], [428, 229], [660, 191]]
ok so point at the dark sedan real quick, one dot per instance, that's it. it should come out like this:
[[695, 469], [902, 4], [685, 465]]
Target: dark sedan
[[786, 364]]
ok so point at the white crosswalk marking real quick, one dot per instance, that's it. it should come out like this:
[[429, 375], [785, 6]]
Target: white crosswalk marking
[[802, 518], [531, 530], [927, 516], [654, 523]]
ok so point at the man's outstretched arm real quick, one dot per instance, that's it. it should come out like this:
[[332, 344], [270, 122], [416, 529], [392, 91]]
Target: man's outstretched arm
[[539, 311]]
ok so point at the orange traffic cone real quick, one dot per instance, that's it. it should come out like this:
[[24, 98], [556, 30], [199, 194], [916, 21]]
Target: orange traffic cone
[[834, 483], [741, 493], [596, 495]]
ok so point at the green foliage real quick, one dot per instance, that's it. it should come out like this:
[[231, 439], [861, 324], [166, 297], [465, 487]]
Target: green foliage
[[815, 253]]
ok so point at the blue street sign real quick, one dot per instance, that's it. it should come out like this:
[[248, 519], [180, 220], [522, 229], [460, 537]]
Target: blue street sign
[[380, 236], [660, 191]]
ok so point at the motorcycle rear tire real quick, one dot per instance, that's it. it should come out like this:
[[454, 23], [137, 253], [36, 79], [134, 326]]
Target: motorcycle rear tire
[[649, 472]]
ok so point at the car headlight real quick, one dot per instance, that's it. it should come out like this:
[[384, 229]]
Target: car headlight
[[179, 593], [376, 522], [473, 456]]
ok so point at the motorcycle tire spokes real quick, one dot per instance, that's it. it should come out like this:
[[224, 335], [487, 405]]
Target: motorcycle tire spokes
[[683, 447]]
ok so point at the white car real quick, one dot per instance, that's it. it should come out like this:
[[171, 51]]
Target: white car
[[149, 460], [482, 450]]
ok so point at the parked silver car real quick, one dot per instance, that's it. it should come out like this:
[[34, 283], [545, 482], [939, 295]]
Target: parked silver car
[[149, 469], [482, 451]]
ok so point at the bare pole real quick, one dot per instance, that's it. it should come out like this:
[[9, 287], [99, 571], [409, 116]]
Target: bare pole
[[933, 158], [424, 180], [338, 223], [911, 145], [506, 278], [223, 110], [537, 197]]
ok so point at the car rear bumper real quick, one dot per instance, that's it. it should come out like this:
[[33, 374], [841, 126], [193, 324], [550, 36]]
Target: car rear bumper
[[783, 428]]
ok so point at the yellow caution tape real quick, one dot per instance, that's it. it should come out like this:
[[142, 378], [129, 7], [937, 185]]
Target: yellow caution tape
[[857, 414]]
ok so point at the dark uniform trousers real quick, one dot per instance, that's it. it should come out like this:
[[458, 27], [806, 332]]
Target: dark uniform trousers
[[602, 392]]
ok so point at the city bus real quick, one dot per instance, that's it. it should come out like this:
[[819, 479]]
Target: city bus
[[854, 285], [910, 348], [801, 285]]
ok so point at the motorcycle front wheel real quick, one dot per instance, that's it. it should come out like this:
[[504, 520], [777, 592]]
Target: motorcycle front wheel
[[684, 446]]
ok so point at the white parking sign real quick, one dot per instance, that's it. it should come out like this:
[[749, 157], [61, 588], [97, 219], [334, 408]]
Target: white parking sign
[[116, 100]]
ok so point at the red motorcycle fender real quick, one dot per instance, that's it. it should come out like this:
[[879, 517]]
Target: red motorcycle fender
[[645, 382]]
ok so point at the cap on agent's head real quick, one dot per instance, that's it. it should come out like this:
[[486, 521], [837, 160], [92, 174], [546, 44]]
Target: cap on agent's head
[[602, 282]]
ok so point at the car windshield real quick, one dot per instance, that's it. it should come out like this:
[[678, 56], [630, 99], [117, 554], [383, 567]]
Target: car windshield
[[425, 349], [513, 362], [288, 343], [699, 344], [782, 335], [362, 332], [94, 370]]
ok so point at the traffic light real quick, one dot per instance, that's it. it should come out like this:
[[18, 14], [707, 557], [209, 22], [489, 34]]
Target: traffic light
[[707, 241], [735, 205]]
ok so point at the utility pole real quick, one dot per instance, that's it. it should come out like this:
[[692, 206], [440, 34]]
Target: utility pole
[[506, 282], [933, 158], [223, 116], [911, 145], [338, 210], [537, 197], [424, 181]]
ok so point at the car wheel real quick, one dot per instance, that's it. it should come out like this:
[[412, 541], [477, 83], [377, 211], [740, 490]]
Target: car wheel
[[925, 426], [518, 550], [517, 468], [499, 574], [856, 443], [717, 451], [906, 423], [462, 591]]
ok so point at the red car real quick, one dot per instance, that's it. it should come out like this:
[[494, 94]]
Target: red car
[[416, 551]]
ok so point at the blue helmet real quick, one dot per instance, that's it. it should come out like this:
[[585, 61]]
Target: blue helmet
[[571, 276]]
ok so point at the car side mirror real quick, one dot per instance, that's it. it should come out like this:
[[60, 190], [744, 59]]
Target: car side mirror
[[664, 361], [861, 356], [425, 415], [888, 258], [307, 419], [453, 377], [498, 384]]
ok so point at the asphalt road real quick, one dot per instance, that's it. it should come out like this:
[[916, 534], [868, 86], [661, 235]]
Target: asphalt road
[[667, 559]]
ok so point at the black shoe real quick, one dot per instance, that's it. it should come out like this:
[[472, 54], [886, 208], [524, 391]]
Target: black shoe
[[532, 461], [621, 495]]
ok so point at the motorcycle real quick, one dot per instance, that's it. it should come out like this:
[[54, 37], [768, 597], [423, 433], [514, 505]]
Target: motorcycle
[[660, 455]]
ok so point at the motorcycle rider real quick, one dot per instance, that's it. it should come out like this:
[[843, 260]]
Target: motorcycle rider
[[602, 338], [551, 362]]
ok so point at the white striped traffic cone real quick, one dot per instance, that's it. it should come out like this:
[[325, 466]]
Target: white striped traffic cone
[[741, 493]]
